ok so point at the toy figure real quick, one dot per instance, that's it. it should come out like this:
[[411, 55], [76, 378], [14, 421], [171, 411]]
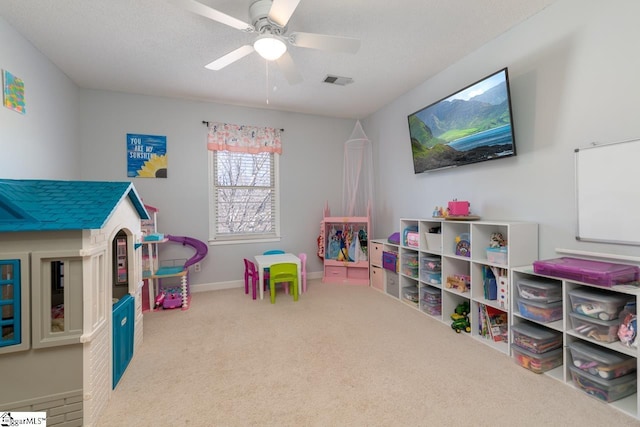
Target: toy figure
[[160, 299], [497, 240]]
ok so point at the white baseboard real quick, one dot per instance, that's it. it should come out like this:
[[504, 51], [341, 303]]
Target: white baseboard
[[218, 286]]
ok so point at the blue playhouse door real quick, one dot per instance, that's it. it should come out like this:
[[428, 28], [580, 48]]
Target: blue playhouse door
[[123, 323]]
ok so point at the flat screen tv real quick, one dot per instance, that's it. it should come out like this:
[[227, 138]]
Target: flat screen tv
[[473, 125]]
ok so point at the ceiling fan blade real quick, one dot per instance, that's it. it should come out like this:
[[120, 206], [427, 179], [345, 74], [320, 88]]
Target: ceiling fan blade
[[230, 58], [208, 12], [281, 11], [288, 68], [324, 42]]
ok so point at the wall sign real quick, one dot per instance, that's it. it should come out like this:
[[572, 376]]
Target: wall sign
[[146, 156]]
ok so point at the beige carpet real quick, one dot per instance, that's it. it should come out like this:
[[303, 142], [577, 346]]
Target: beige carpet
[[340, 356]]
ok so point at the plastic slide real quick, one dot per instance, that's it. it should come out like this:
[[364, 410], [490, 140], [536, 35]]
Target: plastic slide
[[200, 247]]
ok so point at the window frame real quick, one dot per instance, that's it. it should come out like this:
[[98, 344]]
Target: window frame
[[24, 318], [41, 301], [216, 239]]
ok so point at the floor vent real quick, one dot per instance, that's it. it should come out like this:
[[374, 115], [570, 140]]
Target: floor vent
[[337, 80]]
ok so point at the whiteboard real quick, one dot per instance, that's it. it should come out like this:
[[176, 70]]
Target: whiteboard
[[608, 193]]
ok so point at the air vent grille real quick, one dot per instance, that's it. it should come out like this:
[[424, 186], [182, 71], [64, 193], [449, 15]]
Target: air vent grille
[[338, 80]]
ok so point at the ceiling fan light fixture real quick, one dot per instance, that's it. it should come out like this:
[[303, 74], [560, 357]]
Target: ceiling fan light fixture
[[270, 47]]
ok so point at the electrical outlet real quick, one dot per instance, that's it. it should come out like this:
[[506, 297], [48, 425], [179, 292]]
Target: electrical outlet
[[197, 267]]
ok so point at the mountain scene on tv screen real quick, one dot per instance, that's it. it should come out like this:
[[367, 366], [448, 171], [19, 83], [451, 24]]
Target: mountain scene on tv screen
[[455, 132]]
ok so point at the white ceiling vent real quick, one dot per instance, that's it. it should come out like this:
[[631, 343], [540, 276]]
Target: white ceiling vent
[[337, 80]]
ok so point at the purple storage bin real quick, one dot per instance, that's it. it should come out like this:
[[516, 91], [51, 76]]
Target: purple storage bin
[[390, 261], [594, 272]]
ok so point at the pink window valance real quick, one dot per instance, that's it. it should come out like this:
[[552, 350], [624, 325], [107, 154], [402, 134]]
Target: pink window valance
[[244, 139]]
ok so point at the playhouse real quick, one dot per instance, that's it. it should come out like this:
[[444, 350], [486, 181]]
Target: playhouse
[[70, 294]]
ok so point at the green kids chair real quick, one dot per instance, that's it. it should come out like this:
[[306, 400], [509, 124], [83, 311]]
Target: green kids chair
[[286, 272]]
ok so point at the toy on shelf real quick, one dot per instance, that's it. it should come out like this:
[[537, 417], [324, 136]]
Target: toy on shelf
[[460, 318], [458, 208], [628, 330], [460, 282], [463, 245], [497, 240]]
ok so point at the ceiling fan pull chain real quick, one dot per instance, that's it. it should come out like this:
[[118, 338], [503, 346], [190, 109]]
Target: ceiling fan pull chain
[[266, 67]]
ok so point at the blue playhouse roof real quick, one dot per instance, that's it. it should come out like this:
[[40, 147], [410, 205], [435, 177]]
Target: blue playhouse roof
[[39, 205]]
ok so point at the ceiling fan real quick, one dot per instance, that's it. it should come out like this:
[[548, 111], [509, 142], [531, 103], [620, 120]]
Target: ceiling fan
[[269, 19]]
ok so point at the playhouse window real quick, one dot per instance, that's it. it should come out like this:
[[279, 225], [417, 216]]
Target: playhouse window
[[10, 303], [57, 296], [57, 299]]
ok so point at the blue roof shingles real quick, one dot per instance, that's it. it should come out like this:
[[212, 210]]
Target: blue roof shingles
[[38, 205]]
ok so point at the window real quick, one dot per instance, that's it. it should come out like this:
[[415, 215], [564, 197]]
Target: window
[[10, 303], [57, 298], [15, 297], [244, 199]]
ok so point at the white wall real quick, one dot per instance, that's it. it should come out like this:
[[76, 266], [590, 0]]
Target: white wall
[[573, 68], [574, 72], [43, 143], [310, 170]]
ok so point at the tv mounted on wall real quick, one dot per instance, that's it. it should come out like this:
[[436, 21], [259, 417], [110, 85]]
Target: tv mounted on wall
[[473, 125]]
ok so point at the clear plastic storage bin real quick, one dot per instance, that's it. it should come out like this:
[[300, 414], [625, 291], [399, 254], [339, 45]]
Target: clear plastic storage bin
[[597, 304], [536, 339], [537, 363], [497, 255], [431, 263], [431, 277], [607, 390], [540, 312], [599, 330], [410, 265], [540, 290], [600, 361]]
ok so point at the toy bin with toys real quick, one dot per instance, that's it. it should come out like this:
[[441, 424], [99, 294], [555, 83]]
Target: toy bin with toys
[[497, 255], [540, 312], [431, 263], [603, 389], [410, 294], [536, 339], [541, 290], [599, 330], [537, 362], [410, 264], [431, 277], [596, 303], [430, 269], [596, 360], [431, 300]]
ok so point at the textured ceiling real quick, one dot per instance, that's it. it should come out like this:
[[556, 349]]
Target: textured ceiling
[[155, 47]]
